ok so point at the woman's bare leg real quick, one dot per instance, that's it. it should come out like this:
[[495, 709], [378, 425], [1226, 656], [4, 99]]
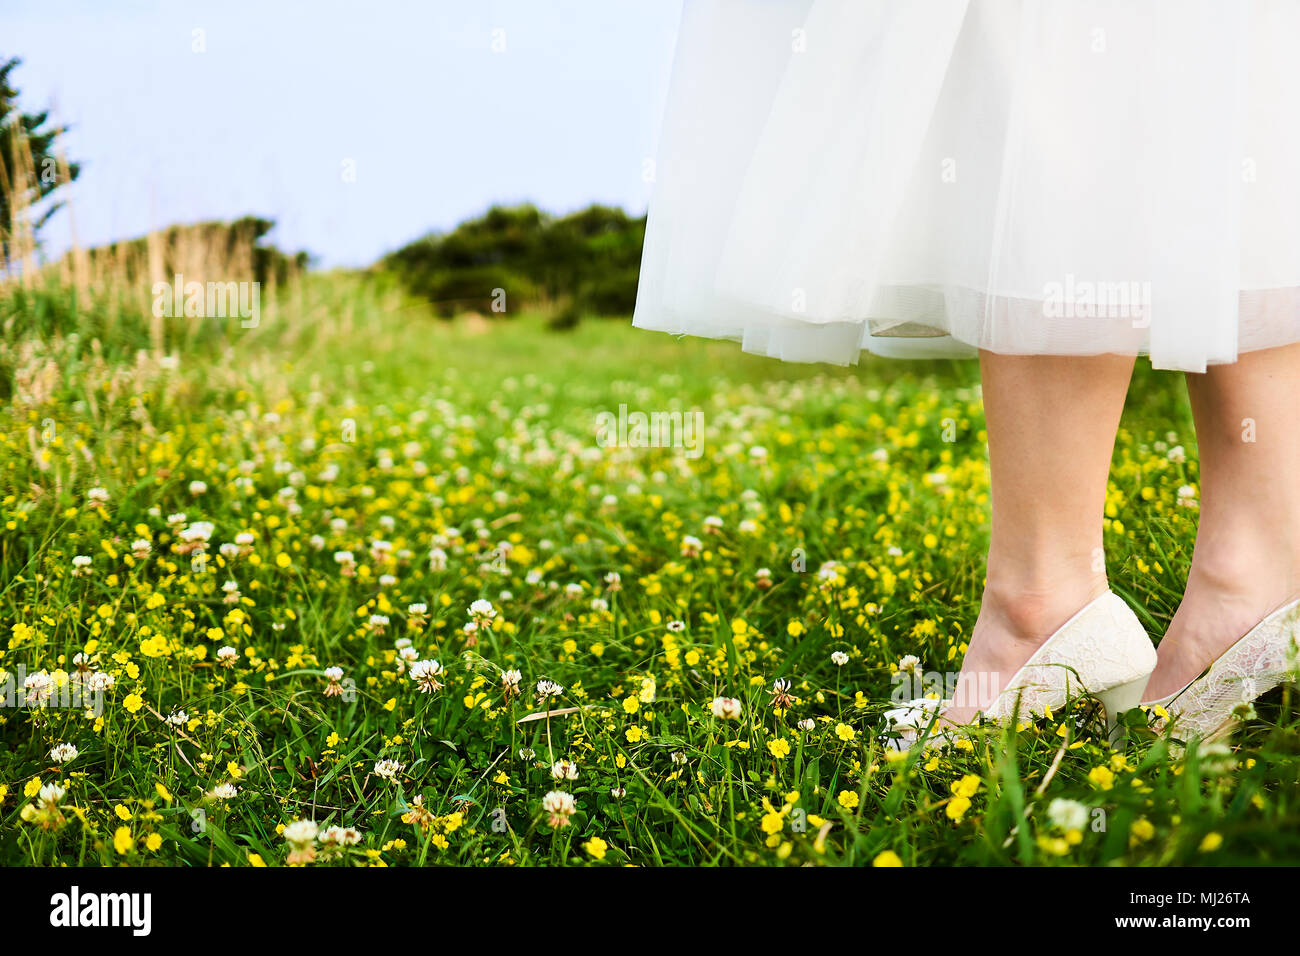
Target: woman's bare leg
[[1246, 562], [1051, 425]]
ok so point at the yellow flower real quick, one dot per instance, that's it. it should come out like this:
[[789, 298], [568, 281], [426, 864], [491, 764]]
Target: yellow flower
[[152, 842], [122, 840], [772, 822], [33, 787], [631, 705], [1140, 831], [1055, 845], [122, 812], [957, 808], [133, 703], [255, 859], [887, 858], [967, 786], [634, 734], [163, 792], [596, 847], [1211, 843], [845, 732], [778, 748], [847, 799], [1102, 777]]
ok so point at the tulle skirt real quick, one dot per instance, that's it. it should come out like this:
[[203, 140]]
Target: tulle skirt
[[932, 177]]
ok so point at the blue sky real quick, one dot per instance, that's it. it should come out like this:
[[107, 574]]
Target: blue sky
[[437, 123]]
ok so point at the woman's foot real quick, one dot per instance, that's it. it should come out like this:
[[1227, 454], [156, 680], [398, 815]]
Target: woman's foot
[[1223, 601], [1013, 623]]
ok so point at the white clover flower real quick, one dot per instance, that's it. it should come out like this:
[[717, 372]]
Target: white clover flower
[[483, 613], [726, 708], [141, 548], [807, 724], [691, 546], [1067, 814], [198, 532], [341, 836], [62, 753], [559, 807], [224, 791], [839, 658], [334, 675], [97, 496], [50, 794], [547, 689], [908, 663], [301, 832], [178, 718], [425, 674], [1177, 454], [564, 770], [387, 769], [227, 655], [198, 487], [676, 627], [618, 793]]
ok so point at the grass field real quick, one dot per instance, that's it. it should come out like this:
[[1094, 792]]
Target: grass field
[[179, 520]]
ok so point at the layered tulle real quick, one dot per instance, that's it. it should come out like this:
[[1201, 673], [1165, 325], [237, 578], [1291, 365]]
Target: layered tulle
[[931, 177]]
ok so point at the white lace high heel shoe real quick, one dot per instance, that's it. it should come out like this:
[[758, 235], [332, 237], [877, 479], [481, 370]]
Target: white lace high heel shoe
[[1102, 651], [1207, 708]]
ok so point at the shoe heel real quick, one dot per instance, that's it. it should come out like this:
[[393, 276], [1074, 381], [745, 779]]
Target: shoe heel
[[1115, 700]]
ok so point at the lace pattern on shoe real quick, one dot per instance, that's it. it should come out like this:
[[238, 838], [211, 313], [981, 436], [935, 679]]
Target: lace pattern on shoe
[[1253, 666]]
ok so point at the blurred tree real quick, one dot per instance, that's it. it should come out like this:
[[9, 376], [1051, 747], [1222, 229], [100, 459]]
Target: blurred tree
[[586, 262], [28, 156]]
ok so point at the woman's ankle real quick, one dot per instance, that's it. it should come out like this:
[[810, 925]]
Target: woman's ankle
[[1032, 609], [1247, 570]]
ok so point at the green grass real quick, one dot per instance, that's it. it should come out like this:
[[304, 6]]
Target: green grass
[[349, 416]]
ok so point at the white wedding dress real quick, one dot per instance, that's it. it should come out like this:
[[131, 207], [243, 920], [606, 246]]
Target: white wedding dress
[[932, 177]]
